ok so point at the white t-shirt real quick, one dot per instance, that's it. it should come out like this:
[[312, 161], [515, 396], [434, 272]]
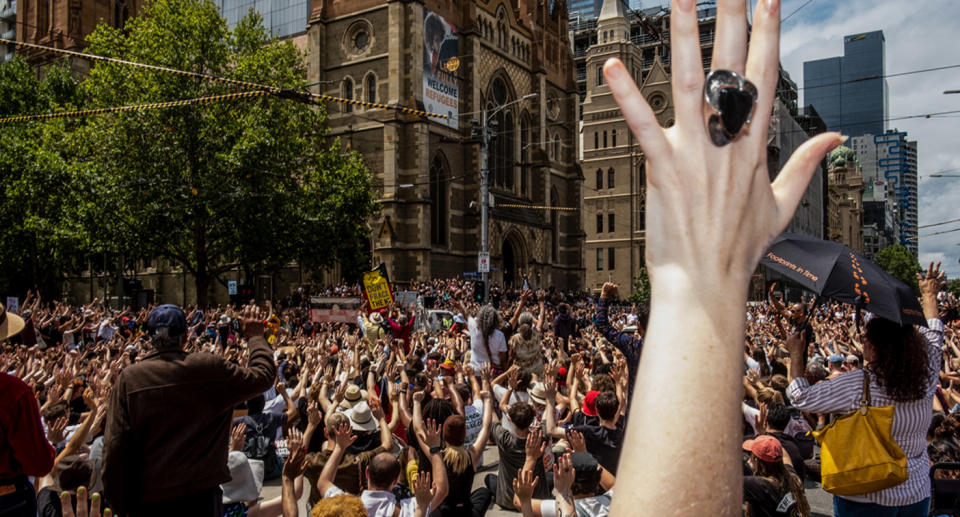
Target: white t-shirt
[[478, 354], [473, 414], [381, 504], [598, 506], [517, 396]]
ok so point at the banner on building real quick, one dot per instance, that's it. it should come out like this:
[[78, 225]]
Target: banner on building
[[335, 309], [441, 93], [376, 287]]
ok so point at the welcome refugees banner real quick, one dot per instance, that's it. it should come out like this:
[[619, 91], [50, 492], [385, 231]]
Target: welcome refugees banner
[[440, 50]]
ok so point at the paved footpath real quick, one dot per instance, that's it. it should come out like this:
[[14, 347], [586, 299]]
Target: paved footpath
[[821, 503]]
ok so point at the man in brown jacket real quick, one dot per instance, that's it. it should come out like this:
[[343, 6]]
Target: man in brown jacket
[[165, 447]]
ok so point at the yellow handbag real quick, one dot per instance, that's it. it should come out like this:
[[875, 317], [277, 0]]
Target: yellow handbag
[[857, 453]]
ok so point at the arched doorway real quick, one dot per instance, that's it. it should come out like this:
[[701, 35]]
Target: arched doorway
[[513, 259]]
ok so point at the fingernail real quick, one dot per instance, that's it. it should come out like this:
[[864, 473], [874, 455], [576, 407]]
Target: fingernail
[[612, 69], [95, 496], [684, 5], [773, 5]]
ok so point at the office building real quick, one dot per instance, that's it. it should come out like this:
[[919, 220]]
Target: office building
[[8, 28], [850, 91], [845, 194], [889, 163], [283, 18]]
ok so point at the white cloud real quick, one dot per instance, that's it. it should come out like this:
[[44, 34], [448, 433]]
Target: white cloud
[[918, 35]]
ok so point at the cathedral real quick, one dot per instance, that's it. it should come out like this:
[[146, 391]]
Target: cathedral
[[503, 63]]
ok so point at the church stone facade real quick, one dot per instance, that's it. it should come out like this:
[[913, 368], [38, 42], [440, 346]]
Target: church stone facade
[[514, 67]]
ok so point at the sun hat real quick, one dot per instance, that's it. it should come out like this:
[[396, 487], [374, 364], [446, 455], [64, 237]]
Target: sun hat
[[765, 447], [353, 396], [361, 418], [10, 324], [246, 479], [376, 317], [224, 320], [538, 394]]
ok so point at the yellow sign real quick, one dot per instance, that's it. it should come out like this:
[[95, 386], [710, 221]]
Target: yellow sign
[[453, 64], [377, 288]]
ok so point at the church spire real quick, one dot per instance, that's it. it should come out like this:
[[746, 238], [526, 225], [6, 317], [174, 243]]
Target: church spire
[[612, 25]]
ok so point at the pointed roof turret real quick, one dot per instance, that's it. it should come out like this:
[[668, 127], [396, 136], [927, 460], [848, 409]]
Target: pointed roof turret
[[612, 9], [612, 25]]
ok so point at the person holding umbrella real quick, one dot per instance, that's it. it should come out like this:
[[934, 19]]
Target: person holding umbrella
[[902, 361]]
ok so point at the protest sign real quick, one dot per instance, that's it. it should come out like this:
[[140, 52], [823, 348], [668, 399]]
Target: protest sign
[[376, 287]]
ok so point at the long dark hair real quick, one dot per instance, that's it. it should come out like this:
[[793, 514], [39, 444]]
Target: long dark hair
[[783, 480], [900, 363]]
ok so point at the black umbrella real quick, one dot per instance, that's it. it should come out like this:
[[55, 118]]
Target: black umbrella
[[835, 271]]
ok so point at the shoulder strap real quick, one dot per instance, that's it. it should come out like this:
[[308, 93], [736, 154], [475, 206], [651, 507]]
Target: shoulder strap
[[865, 398]]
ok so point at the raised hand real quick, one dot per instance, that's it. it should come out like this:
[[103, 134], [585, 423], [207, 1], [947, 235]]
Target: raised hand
[[524, 484], [563, 474], [294, 439], [314, 418], [577, 443], [344, 436], [374, 403], [423, 489], [55, 431], [430, 436], [296, 462], [931, 280], [85, 508], [535, 446]]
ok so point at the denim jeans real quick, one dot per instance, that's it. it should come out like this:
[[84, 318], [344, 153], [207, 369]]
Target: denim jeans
[[847, 508]]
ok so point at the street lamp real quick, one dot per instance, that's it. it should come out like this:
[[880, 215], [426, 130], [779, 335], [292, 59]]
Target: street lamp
[[485, 186]]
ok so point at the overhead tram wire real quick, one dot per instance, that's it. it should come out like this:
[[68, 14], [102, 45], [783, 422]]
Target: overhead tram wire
[[287, 93], [939, 224]]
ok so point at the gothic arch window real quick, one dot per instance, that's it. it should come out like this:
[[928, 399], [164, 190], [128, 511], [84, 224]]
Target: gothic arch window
[[121, 13], [502, 28], [524, 154], [371, 87], [599, 179], [439, 198], [613, 137], [610, 177], [556, 147], [509, 155], [596, 140], [347, 94], [502, 158], [604, 139], [554, 226]]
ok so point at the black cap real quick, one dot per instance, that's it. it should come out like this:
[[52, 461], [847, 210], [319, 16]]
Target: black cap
[[167, 315], [586, 470]]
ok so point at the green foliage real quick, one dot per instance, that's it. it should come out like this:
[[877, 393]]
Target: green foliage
[[40, 237], [953, 287], [899, 262], [253, 183], [641, 288]]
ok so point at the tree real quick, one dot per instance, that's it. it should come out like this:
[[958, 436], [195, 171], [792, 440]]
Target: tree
[[641, 288], [953, 287], [899, 262], [251, 183], [40, 237]]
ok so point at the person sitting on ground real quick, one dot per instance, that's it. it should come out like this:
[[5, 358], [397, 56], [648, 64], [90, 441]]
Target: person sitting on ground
[[577, 480], [382, 475], [605, 439], [774, 490], [511, 447]]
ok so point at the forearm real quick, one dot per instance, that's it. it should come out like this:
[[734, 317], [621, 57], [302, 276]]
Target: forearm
[[288, 498], [713, 326]]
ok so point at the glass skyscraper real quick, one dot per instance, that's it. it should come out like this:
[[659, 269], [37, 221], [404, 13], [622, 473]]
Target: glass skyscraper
[[849, 91], [281, 17]]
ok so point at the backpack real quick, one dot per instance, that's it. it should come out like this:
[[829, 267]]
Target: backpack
[[259, 446]]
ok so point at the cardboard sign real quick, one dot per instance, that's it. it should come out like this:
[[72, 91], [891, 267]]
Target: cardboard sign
[[329, 309], [13, 304], [376, 287]]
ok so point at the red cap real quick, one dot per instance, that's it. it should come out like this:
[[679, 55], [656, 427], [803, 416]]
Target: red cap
[[562, 376], [765, 447], [590, 403]]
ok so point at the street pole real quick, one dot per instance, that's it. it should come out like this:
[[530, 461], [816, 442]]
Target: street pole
[[484, 200]]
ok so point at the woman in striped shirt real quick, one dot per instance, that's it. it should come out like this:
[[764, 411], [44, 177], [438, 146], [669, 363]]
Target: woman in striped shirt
[[903, 362]]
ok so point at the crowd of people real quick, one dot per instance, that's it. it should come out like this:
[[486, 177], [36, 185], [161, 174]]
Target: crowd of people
[[167, 408], [170, 410]]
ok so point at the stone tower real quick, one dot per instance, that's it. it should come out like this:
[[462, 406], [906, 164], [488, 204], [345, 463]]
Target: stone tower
[[845, 206]]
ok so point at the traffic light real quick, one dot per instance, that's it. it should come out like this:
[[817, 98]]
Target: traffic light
[[479, 287]]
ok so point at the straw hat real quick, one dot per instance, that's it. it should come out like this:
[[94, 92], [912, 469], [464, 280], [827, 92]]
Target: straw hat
[[10, 325]]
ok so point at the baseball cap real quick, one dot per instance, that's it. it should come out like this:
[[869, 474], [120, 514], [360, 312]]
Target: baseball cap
[[590, 403], [586, 469], [167, 315], [835, 358], [765, 447]]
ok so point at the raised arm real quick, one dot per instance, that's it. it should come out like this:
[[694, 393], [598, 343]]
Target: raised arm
[[430, 444], [550, 413], [343, 438], [703, 245], [476, 449], [386, 435]]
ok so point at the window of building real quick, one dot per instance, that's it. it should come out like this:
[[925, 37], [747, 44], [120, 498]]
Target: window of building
[[599, 179], [121, 13], [371, 88], [524, 155], [610, 177], [555, 226], [509, 136], [600, 259], [604, 139], [610, 221], [596, 140], [599, 76], [347, 94], [613, 137], [438, 202], [599, 223], [611, 258]]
